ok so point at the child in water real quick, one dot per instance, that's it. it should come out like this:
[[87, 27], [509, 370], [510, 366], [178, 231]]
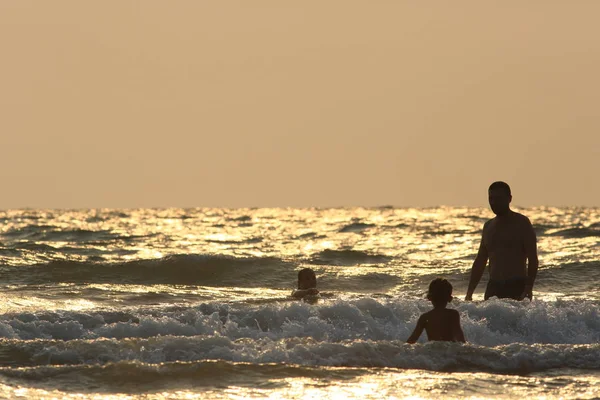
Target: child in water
[[307, 284], [440, 323]]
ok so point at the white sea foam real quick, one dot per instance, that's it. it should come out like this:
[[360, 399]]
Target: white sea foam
[[491, 323], [502, 335], [437, 356]]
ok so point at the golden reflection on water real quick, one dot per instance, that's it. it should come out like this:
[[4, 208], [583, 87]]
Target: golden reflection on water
[[374, 384], [404, 243], [415, 241], [32, 303]]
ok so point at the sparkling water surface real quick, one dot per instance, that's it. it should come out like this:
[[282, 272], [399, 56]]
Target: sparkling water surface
[[194, 303]]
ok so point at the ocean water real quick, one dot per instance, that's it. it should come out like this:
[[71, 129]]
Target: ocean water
[[194, 303]]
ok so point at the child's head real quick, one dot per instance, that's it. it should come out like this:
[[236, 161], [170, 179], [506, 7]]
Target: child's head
[[440, 292], [307, 279]]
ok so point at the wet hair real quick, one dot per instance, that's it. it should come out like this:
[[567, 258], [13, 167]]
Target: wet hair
[[500, 185], [305, 272], [440, 291], [307, 279]]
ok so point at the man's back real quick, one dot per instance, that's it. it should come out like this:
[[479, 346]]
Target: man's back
[[505, 241]]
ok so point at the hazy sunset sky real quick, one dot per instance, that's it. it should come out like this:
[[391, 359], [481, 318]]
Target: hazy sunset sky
[[307, 103]]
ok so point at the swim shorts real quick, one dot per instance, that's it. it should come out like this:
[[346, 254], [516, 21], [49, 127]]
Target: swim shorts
[[507, 289]]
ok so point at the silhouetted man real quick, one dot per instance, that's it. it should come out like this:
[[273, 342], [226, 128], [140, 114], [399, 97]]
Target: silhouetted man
[[509, 242]]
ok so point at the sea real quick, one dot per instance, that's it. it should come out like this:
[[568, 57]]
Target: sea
[[195, 304]]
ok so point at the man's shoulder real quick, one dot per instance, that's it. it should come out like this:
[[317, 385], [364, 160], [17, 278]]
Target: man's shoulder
[[489, 223], [521, 218]]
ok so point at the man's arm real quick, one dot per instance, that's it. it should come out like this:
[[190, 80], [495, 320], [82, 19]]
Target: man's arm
[[478, 268], [530, 244], [418, 330]]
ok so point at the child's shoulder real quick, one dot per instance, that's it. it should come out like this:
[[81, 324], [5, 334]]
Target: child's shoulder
[[439, 312], [452, 313], [427, 315]]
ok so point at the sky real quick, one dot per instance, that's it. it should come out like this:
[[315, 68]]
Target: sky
[[266, 103]]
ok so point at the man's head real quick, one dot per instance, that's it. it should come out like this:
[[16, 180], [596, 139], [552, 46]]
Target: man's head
[[499, 197], [307, 279], [440, 292]]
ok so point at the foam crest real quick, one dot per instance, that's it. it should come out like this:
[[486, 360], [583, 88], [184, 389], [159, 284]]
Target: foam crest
[[435, 356], [355, 227], [497, 322], [491, 323]]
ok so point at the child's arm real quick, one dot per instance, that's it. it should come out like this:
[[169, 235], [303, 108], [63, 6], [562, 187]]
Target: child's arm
[[418, 330], [458, 334]]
